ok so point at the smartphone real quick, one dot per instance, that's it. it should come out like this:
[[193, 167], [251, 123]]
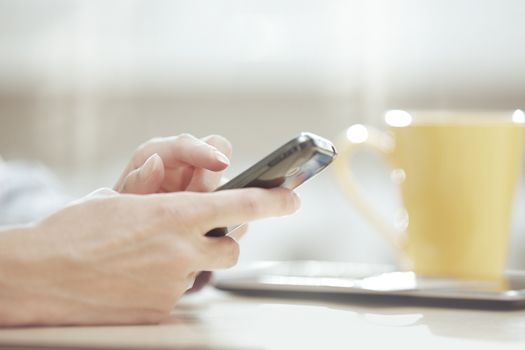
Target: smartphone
[[288, 166]]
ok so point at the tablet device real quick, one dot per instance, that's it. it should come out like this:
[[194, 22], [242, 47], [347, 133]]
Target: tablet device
[[348, 280]]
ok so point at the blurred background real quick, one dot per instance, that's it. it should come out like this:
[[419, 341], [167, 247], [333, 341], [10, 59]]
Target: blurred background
[[84, 82]]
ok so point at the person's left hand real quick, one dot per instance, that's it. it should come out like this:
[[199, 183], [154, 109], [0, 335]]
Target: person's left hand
[[177, 163]]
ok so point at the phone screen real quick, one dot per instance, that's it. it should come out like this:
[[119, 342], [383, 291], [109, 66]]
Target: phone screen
[[308, 169]]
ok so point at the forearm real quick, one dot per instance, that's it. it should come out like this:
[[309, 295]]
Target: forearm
[[17, 275]]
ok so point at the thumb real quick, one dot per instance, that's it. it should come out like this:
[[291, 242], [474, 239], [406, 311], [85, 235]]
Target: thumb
[[239, 232], [146, 179]]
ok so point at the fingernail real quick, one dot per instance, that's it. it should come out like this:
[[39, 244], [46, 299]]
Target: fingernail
[[149, 165], [221, 157], [297, 200]]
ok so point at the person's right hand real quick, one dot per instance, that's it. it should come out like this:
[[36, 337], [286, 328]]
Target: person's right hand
[[123, 259]]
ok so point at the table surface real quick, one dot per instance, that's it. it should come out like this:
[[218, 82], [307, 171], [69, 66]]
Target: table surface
[[217, 320]]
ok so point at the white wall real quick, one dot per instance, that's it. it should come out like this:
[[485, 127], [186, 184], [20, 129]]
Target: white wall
[[352, 59]]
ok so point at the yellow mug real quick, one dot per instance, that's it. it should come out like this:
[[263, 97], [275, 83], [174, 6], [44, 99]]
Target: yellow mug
[[457, 173]]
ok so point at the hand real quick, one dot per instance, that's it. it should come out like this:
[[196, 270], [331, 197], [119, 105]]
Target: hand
[[178, 163], [122, 259]]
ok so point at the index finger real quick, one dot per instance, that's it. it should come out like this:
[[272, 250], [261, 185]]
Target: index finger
[[183, 148], [204, 180], [238, 206]]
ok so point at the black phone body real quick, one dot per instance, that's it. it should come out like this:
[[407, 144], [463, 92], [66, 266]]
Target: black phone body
[[288, 166]]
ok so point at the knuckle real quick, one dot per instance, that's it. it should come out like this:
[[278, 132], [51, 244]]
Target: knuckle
[[185, 137], [251, 202], [221, 143], [103, 192], [146, 145]]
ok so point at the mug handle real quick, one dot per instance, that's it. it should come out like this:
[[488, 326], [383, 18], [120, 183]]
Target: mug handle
[[359, 138]]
